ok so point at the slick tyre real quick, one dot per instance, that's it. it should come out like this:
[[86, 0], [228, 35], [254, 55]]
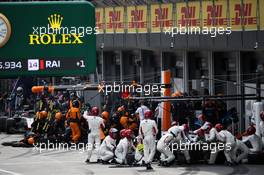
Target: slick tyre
[[3, 123], [10, 126]]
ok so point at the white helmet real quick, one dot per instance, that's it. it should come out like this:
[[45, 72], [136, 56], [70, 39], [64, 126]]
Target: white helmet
[[19, 90]]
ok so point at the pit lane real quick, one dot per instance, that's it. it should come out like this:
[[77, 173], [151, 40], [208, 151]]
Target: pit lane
[[27, 161]]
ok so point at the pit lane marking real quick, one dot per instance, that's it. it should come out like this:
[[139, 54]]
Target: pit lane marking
[[9, 172], [30, 163]]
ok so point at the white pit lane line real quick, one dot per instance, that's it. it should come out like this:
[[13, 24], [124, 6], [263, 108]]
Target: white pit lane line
[[9, 172], [36, 163]]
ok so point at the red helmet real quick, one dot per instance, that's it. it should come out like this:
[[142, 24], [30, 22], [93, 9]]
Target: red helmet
[[129, 133], [251, 130], [219, 127], [262, 115], [95, 111], [113, 133], [186, 127], [201, 117], [122, 133], [208, 126], [148, 114], [200, 133]]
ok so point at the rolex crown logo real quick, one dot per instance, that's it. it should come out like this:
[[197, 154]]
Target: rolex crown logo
[[55, 21]]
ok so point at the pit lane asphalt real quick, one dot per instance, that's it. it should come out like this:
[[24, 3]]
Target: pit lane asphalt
[[29, 161]]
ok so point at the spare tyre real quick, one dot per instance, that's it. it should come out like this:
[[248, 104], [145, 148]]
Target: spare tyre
[[3, 123], [10, 125], [256, 158]]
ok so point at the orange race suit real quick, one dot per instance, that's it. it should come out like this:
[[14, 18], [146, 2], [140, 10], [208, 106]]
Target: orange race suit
[[73, 119]]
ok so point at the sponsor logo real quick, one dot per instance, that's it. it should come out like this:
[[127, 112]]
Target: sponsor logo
[[57, 34]]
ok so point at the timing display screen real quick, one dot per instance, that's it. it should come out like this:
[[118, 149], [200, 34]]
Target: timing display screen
[[42, 65], [57, 39]]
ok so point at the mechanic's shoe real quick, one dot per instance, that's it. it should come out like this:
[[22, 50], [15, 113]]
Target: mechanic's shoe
[[167, 164], [87, 161], [105, 162], [178, 163], [113, 161], [160, 163], [99, 161], [244, 161], [148, 166], [236, 163], [135, 164], [229, 163]]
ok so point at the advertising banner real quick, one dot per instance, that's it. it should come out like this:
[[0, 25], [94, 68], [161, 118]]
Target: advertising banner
[[109, 21], [137, 19], [261, 4], [161, 16], [118, 19], [215, 14], [188, 14], [243, 14], [99, 17], [250, 14]]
